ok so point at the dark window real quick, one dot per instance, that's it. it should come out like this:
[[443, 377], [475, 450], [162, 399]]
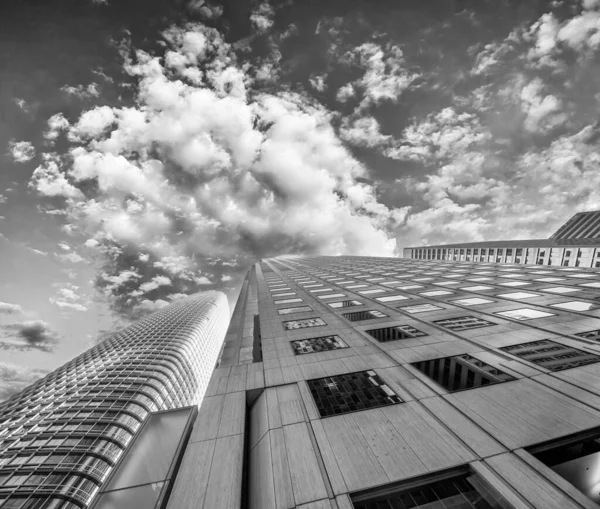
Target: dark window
[[345, 304], [461, 372], [593, 335], [462, 491], [573, 460], [551, 355], [340, 394], [357, 316], [464, 323], [321, 344], [394, 333], [301, 324]]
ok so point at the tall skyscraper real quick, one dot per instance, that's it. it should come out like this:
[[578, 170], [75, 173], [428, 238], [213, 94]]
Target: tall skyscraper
[[61, 437], [370, 383], [575, 244]]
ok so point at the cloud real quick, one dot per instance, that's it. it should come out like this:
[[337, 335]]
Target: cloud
[[56, 124], [37, 251], [262, 17], [206, 167], [226, 278], [28, 335], [15, 378], [10, 309], [67, 298], [363, 132], [541, 110], [318, 82], [82, 91], [21, 151], [72, 257]]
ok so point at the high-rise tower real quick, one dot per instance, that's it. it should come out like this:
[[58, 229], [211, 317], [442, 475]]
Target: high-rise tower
[[61, 437]]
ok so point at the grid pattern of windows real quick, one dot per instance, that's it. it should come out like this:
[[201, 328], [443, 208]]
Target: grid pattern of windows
[[393, 333], [459, 492], [593, 335], [341, 394], [461, 323], [302, 324], [551, 355], [345, 304], [420, 308], [63, 434], [322, 344], [364, 315], [461, 372]]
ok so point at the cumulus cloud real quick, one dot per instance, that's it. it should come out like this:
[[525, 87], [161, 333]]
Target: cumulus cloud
[[541, 109], [82, 91], [262, 17], [207, 167], [363, 132], [67, 298], [10, 309], [15, 378], [28, 335], [21, 151], [56, 124], [318, 82]]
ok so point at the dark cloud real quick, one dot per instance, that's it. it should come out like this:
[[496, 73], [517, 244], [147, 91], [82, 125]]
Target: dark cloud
[[29, 335], [14, 378]]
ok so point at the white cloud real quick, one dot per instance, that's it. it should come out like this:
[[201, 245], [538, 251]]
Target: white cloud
[[37, 251], [262, 17], [82, 91], [56, 124], [64, 246], [541, 109], [154, 284], [21, 151], [15, 378], [10, 309], [70, 257], [363, 132], [226, 277], [318, 82]]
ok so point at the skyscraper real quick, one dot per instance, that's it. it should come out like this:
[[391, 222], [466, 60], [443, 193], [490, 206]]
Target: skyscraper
[[574, 244], [61, 437], [369, 383]]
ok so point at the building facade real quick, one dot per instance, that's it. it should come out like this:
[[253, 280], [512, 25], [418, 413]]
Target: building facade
[[369, 383], [575, 244], [61, 438]]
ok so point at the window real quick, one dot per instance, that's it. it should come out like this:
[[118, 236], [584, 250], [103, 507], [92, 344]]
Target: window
[[591, 285], [461, 372], [321, 344], [299, 309], [351, 392], [375, 290], [420, 308], [515, 283], [273, 290], [391, 298], [287, 301], [356, 286], [582, 276], [409, 287], [301, 324], [551, 355], [373, 279], [575, 305], [524, 314], [464, 323], [571, 459], [345, 303], [560, 289], [478, 279], [436, 293], [594, 335], [277, 295], [549, 279], [320, 290], [393, 333], [473, 301], [477, 288], [518, 295], [357, 316], [312, 286], [331, 296], [447, 283]]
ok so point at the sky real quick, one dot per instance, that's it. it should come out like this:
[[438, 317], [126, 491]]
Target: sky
[[150, 150]]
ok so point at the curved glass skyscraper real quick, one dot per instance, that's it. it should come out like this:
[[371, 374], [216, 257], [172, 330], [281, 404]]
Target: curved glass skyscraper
[[61, 437]]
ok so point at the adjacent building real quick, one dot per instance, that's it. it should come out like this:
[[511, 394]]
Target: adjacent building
[[61, 438], [575, 244], [369, 383]]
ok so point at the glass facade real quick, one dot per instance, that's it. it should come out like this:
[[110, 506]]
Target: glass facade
[[61, 437]]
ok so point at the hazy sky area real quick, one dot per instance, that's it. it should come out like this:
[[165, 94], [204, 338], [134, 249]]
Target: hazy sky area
[[153, 149]]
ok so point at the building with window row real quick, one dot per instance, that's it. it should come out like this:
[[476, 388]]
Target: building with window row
[[61, 438], [369, 383], [575, 244]]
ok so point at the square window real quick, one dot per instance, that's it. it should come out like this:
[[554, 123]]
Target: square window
[[358, 316], [524, 314], [320, 290], [356, 286], [515, 283], [394, 333], [549, 279], [575, 305], [368, 292], [299, 309], [345, 282], [477, 279], [340, 394], [447, 283], [286, 294], [478, 288], [423, 279], [436, 293], [312, 286], [391, 298], [591, 285], [409, 287], [390, 282], [301, 324], [345, 303], [464, 323], [373, 279], [473, 301], [287, 301], [331, 296], [518, 295], [461, 372], [582, 276], [560, 289], [551, 355], [420, 308], [322, 344]]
